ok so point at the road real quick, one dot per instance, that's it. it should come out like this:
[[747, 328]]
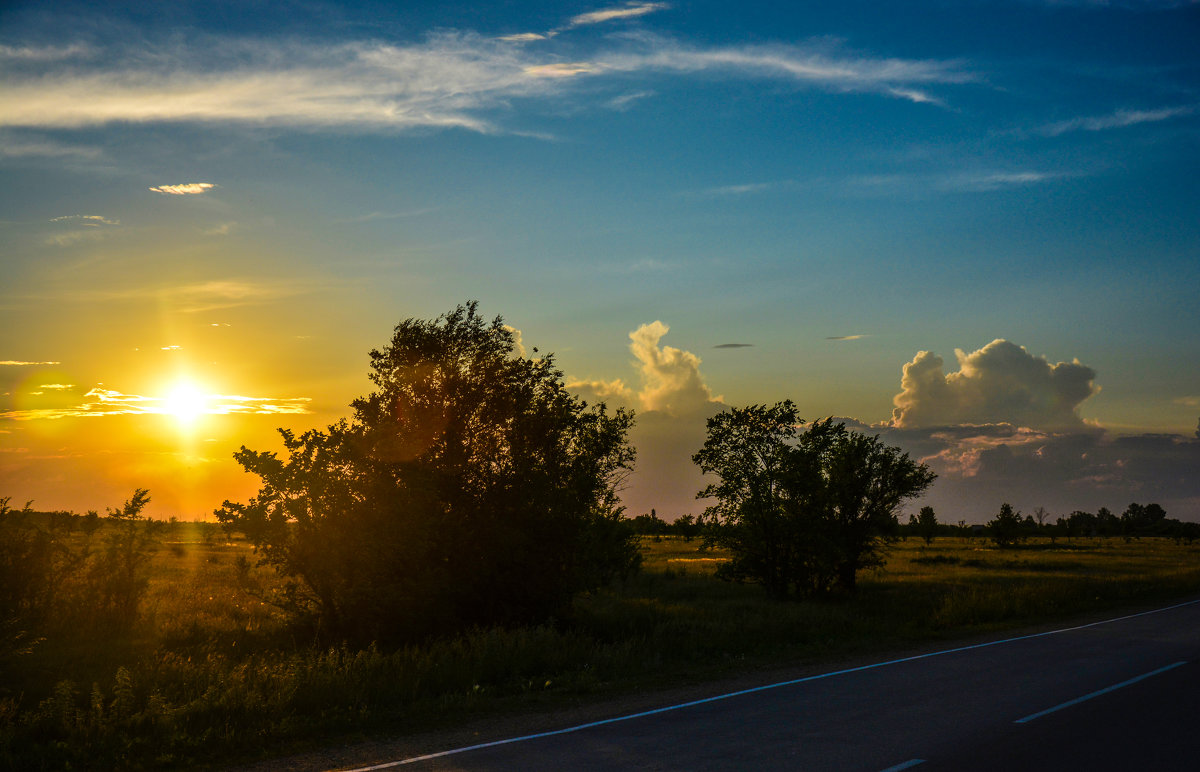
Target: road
[[1121, 693]]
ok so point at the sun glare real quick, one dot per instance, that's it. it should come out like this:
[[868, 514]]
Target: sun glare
[[185, 402]]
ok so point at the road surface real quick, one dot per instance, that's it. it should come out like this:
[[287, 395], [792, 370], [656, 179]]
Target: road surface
[[1120, 693]]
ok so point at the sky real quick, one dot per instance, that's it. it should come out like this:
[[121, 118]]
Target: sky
[[969, 227]]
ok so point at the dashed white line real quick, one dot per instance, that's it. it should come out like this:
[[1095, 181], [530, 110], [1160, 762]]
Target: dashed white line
[[1097, 693], [679, 706]]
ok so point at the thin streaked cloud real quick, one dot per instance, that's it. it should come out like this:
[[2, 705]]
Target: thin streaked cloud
[[1116, 120], [846, 337], [91, 220], [734, 345], [629, 11], [450, 79], [21, 363], [100, 402], [184, 189]]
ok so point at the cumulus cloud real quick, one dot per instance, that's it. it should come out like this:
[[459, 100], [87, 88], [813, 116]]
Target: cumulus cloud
[[672, 404], [980, 467], [999, 383], [671, 381], [184, 189]]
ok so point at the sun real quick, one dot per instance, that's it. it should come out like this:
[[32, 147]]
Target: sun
[[186, 402]]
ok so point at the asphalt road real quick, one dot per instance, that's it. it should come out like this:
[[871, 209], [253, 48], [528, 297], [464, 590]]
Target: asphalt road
[[1121, 694]]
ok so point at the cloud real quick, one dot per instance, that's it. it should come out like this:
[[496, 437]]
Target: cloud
[[1189, 401], [671, 380], [184, 189], [819, 64], [628, 11], [980, 467], [737, 190], [43, 53], [734, 345], [672, 404], [100, 402], [966, 181], [447, 80], [561, 69], [524, 37], [15, 147], [57, 386], [999, 383], [20, 363], [92, 220], [372, 216], [220, 229], [1117, 120], [624, 101], [846, 337]]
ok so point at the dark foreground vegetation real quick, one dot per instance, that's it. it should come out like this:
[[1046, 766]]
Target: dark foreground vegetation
[[457, 547], [209, 671]]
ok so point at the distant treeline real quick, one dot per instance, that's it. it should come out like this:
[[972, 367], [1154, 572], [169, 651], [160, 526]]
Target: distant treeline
[[1006, 529]]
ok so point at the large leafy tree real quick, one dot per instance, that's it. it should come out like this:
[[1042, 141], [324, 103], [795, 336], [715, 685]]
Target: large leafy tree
[[801, 512], [469, 488]]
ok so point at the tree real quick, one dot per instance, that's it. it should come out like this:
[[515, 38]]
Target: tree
[[1005, 527], [801, 512], [470, 488], [927, 524]]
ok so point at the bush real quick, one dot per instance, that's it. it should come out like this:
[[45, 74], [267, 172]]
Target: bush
[[470, 489]]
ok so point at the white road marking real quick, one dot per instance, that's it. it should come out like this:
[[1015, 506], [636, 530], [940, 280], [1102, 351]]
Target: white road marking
[[906, 765], [752, 690], [1105, 690]]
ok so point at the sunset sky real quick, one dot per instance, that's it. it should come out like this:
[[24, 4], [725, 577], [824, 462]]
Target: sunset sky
[[971, 227]]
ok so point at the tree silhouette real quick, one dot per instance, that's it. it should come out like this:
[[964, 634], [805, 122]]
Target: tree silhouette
[[470, 488], [802, 512]]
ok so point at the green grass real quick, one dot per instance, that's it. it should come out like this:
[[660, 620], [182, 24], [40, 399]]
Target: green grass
[[212, 673]]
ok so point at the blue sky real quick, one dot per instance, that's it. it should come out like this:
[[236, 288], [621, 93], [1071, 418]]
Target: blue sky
[[842, 186]]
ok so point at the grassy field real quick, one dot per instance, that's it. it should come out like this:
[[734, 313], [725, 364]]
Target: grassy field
[[213, 672]]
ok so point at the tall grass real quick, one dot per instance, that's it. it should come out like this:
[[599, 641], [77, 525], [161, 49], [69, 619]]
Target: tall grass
[[212, 670]]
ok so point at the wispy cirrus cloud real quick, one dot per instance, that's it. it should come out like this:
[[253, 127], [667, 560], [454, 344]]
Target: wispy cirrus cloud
[[38, 147], [23, 363], [447, 80], [845, 337], [950, 181], [1116, 120], [616, 13], [184, 189], [196, 297], [43, 53], [100, 402], [92, 220], [627, 11]]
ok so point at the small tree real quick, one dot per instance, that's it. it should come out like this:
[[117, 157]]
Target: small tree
[[927, 524], [470, 488], [1005, 527], [802, 512]]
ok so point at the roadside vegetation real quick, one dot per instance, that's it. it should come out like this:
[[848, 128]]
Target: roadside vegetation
[[210, 671]]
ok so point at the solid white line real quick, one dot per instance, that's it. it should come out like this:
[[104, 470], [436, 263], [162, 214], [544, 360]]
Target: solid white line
[[1105, 690], [692, 703], [906, 765]]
